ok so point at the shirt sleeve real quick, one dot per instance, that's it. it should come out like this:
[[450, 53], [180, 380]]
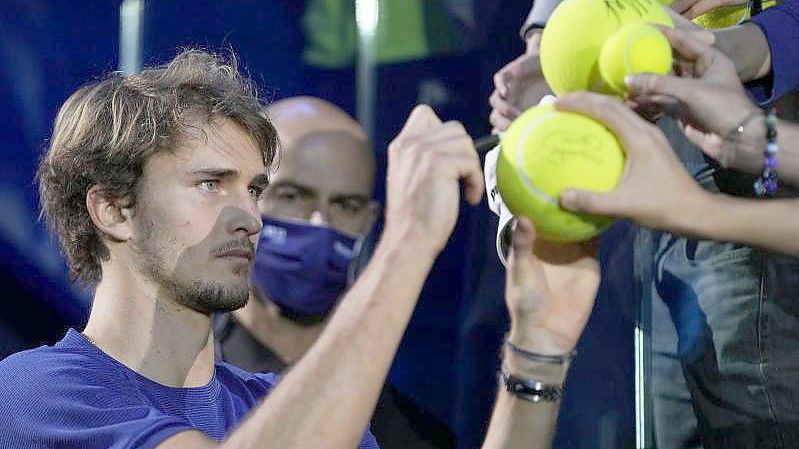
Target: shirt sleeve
[[780, 25], [81, 416], [538, 16]]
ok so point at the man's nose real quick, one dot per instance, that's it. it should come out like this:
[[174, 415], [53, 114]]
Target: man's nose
[[245, 217], [320, 217]]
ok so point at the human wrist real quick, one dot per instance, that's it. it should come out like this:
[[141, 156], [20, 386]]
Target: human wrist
[[539, 340], [693, 219], [744, 144], [549, 373], [406, 240], [532, 39], [746, 46]]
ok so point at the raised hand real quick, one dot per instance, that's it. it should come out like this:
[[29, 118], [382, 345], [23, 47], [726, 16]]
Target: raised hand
[[550, 291], [655, 188], [427, 162], [706, 95], [518, 85]]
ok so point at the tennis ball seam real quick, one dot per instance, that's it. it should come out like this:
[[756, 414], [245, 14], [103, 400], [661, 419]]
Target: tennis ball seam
[[526, 180]]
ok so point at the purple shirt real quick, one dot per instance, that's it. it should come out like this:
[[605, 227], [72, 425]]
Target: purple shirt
[[72, 395], [780, 24]]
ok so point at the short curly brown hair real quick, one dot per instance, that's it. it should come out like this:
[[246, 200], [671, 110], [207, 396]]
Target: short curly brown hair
[[106, 130]]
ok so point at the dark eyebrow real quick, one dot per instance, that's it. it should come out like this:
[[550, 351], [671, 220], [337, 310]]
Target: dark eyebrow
[[307, 191], [214, 172], [303, 189], [354, 197]]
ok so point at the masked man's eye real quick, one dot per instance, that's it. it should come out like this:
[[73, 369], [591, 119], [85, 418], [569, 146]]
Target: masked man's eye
[[350, 207], [288, 195]]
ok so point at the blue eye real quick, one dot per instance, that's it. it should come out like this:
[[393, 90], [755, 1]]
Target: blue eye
[[209, 185]]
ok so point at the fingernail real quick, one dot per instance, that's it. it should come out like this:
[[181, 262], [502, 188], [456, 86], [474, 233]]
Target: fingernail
[[567, 197]]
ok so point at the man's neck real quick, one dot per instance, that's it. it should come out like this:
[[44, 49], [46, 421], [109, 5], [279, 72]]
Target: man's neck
[[289, 340], [142, 327]]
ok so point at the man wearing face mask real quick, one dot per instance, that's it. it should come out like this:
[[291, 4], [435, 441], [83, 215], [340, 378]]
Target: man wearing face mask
[[315, 212]]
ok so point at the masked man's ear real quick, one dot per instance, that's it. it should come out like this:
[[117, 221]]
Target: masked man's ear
[[110, 215], [375, 209]]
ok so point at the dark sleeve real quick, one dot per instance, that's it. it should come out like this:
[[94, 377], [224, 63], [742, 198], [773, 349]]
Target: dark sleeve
[[780, 25]]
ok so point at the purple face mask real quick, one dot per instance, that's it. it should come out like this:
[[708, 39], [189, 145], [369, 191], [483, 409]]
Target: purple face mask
[[302, 268]]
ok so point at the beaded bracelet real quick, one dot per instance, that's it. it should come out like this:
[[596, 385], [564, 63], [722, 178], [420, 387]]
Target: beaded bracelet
[[767, 184]]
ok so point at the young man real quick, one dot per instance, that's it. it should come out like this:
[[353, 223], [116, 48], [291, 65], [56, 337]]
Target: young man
[[151, 183]]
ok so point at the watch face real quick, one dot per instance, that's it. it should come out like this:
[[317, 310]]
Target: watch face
[[530, 389]]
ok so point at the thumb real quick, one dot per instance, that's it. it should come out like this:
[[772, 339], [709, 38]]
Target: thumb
[[526, 271], [649, 85], [585, 201]]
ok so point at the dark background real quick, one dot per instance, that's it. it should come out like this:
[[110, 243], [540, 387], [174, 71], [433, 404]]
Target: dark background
[[447, 363]]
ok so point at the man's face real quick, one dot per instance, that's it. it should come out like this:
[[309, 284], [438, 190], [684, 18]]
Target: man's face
[[196, 219], [324, 178]]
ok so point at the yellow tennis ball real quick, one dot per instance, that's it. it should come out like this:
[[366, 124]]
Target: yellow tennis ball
[[575, 32], [545, 151], [633, 48]]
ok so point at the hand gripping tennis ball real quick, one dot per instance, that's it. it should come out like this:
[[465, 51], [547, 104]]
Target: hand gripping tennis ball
[[634, 48], [545, 151], [575, 33]]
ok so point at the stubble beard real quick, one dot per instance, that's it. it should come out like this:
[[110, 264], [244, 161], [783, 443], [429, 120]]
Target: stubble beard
[[182, 283]]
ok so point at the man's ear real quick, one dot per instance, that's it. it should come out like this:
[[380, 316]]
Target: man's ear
[[110, 215], [374, 212]]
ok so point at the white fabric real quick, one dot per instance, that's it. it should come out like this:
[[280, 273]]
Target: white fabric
[[495, 202]]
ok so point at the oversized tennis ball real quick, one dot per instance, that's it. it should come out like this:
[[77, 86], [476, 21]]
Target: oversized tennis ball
[[575, 33], [633, 48], [545, 151]]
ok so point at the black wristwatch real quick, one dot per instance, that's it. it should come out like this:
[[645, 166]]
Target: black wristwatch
[[530, 389]]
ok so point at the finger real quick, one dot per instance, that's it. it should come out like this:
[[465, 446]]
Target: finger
[[680, 21], [498, 121], [621, 121], [686, 45], [700, 7], [681, 6], [501, 80], [421, 119], [585, 201], [650, 85], [451, 142], [473, 182], [503, 106], [703, 6], [710, 144], [525, 268]]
